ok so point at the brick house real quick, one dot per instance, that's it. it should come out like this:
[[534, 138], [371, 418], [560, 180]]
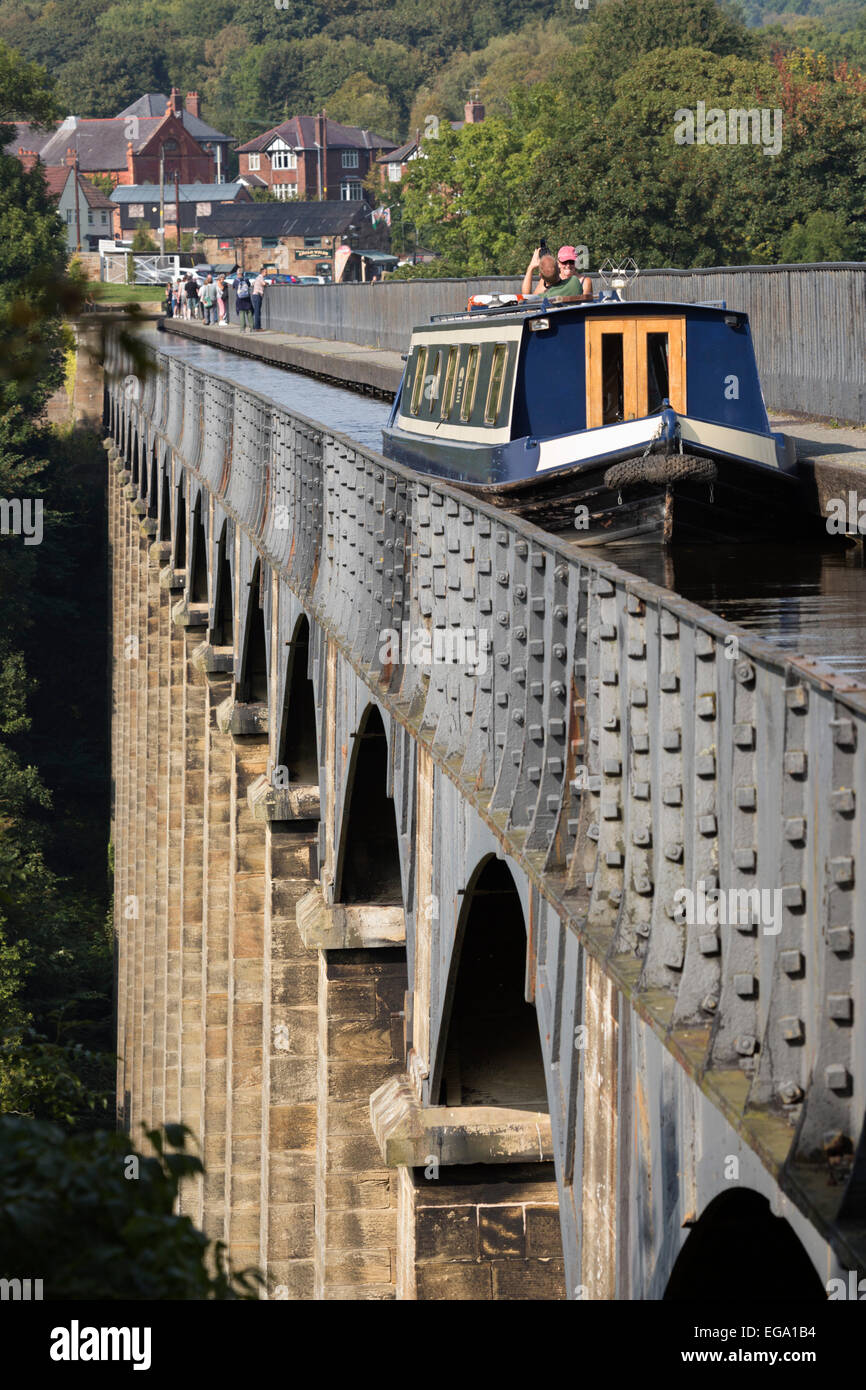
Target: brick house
[[312, 157], [127, 147], [301, 239], [393, 164]]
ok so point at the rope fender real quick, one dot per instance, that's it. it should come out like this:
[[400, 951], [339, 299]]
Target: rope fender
[[657, 468]]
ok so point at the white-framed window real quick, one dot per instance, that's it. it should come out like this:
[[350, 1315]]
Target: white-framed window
[[350, 159], [70, 216], [284, 191], [351, 191], [284, 159], [254, 161], [90, 219], [103, 217], [395, 172]]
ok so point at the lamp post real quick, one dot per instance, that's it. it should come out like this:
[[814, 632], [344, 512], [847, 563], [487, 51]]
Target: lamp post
[[161, 199]]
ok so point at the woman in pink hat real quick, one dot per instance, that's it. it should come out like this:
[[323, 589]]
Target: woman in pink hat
[[570, 283]]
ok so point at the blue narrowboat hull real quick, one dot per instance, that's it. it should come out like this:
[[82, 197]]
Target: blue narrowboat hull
[[670, 472]]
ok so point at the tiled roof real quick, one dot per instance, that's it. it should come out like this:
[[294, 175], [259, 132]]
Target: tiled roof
[[101, 144], [95, 197], [283, 219], [55, 179], [399, 155], [189, 192], [28, 137], [156, 104], [299, 132]]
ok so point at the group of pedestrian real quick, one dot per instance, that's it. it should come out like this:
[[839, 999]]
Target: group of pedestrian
[[187, 298]]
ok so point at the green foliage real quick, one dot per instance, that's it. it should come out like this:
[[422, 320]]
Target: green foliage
[[143, 239], [824, 236], [94, 1217]]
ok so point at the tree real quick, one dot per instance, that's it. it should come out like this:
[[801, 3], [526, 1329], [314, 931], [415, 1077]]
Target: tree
[[97, 1217], [361, 101], [143, 241], [824, 236]]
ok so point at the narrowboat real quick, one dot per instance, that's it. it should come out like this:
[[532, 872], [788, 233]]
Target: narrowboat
[[608, 418]]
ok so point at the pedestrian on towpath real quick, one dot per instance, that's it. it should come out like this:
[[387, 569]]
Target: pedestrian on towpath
[[208, 298], [222, 301], [258, 296], [192, 296], [168, 303], [244, 304]]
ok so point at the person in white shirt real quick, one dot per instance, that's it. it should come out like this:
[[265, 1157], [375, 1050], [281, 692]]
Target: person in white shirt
[[258, 296]]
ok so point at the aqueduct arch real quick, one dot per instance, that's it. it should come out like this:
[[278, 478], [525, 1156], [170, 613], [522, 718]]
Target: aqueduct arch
[[739, 1249], [492, 1051]]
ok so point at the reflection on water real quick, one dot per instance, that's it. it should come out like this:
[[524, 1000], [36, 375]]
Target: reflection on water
[[347, 412], [805, 599], [809, 600]]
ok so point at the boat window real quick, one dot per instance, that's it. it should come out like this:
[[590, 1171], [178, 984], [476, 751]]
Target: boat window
[[658, 389], [450, 382], [418, 387], [470, 383], [612, 380], [432, 378], [497, 381]]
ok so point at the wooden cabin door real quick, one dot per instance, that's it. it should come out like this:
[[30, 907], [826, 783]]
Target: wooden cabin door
[[631, 366]]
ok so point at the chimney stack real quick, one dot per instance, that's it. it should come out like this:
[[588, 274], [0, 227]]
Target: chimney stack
[[192, 104], [473, 111], [174, 101], [27, 158], [70, 157]]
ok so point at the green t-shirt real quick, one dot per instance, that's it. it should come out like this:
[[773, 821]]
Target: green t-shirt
[[568, 287]]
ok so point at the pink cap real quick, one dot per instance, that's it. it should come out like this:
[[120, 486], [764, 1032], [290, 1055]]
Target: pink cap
[[566, 253]]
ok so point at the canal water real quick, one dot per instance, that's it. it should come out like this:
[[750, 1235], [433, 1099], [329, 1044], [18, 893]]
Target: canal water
[[808, 599]]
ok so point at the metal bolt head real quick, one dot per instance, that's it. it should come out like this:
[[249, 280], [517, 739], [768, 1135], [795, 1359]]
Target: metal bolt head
[[790, 1093]]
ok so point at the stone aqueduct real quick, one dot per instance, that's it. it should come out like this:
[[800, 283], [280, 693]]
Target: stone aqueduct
[[398, 942]]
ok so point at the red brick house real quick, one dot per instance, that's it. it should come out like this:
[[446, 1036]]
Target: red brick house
[[312, 157], [127, 147]]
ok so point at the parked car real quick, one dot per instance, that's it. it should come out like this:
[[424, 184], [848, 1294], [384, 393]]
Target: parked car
[[277, 279], [312, 279]]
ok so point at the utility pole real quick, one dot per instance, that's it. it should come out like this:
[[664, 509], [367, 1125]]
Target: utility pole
[[177, 207], [162, 200], [77, 202]]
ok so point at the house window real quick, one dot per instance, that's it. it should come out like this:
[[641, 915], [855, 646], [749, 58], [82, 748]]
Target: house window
[[103, 217], [351, 192], [395, 173], [284, 191], [70, 215], [169, 144], [254, 161], [90, 219], [284, 159], [350, 159], [312, 241], [224, 245], [136, 212], [269, 243]]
